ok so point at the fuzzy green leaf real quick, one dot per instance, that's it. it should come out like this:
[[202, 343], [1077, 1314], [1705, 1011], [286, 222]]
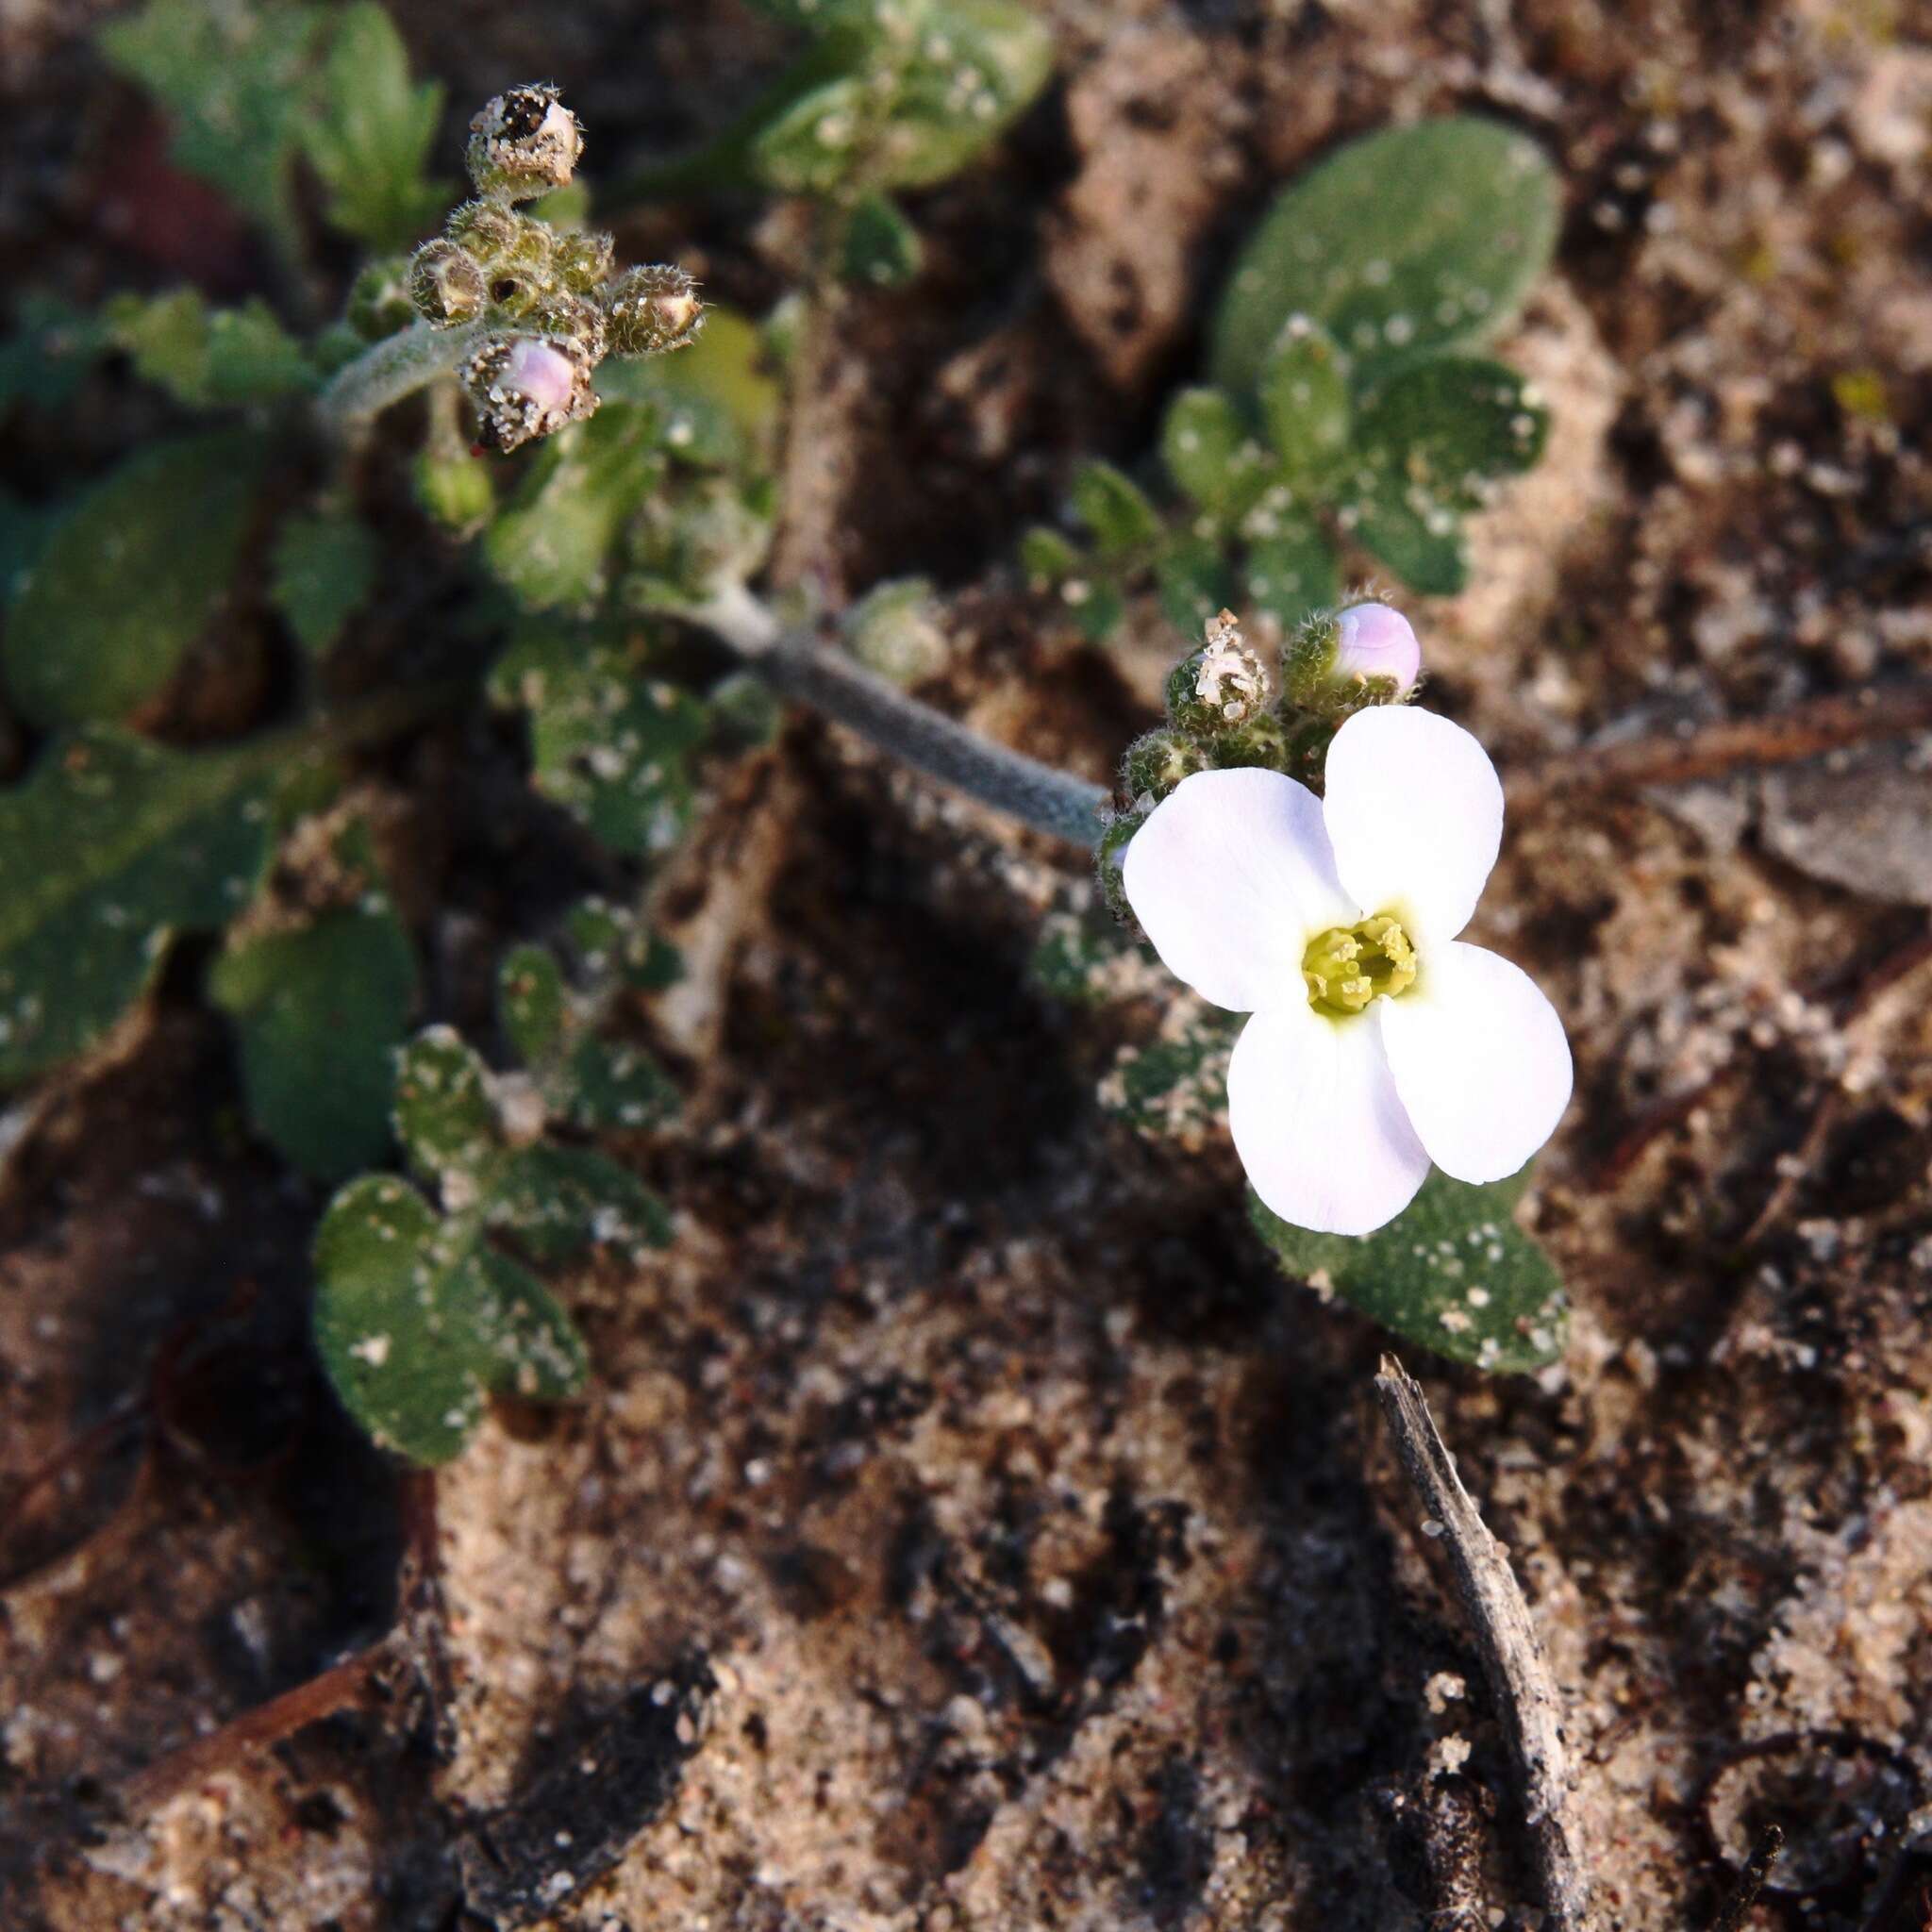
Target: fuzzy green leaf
[[558, 1202], [129, 580], [370, 139], [1428, 555], [1291, 573], [610, 1084], [812, 144], [1176, 1085], [51, 347], [552, 546], [1048, 558], [324, 570], [415, 1320], [1402, 244], [611, 940], [1304, 392], [443, 1115], [210, 358], [609, 743], [1195, 581], [881, 248], [1452, 1272], [1439, 433], [319, 1012], [1116, 509], [110, 847], [231, 79], [1211, 452], [949, 110], [532, 1005]]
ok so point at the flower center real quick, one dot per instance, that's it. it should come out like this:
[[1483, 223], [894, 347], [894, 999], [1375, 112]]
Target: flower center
[[1348, 966]]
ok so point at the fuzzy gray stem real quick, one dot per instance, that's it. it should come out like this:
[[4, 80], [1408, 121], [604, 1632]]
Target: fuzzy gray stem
[[392, 369], [1526, 1698], [796, 664]]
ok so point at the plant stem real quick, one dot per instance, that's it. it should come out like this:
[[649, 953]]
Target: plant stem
[[392, 369], [797, 664]]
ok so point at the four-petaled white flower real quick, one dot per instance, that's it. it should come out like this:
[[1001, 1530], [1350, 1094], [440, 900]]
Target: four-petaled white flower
[[1380, 1040]]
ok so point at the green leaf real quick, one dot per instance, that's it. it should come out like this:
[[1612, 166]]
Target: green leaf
[[1452, 1272], [1211, 452], [611, 1086], [558, 1202], [1113, 507], [609, 743], [231, 77], [1402, 244], [1048, 558], [52, 346], [610, 939], [324, 571], [319, 1012], [206, 357], [812, 145], [415, 1319], [532, 1005], [1097, 604], [1304, 392], [110, 847], [881, 248], [1438, 433], [552, 546], [1429, 556], [1195, 581], [952, 106], [371, 137], [1291, 573], [443, 1115], [26, 530], [129, 580], [1176, 1085]]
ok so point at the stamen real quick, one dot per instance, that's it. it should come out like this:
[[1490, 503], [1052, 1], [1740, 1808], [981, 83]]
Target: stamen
[[1347, 967]]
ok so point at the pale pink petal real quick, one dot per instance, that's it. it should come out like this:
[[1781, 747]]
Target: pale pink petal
[[1479, 1060], [1229, 878], [1316, 1121]]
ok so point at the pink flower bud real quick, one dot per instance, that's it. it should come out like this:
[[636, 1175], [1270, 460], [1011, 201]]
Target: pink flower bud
[[1372, 641], [549, 378]]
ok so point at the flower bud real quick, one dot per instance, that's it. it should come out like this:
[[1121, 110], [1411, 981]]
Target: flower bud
[[580, 322], [652, 309], [1221, 685], [1373, 641], [1157, 763], [522, 144], [491, 233], [582, 260], [446, 284], [380, 301], [526, 387]]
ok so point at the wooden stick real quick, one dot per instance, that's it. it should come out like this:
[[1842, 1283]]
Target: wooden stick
[[1757, 1870], [1519, 1676]]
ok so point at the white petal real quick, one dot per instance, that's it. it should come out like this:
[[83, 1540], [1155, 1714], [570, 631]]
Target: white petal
[[1229, 878], [1479, 1060], [1415, 815], [1316, 1121]]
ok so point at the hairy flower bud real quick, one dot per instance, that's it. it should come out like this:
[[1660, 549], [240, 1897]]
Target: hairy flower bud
[[1373, 641], [491, 233], [524, 143], [580, 323], [380, 302], [582, 260], [1157, 763], [446, 284], [1221, 685], [652, 309], [526, 387]]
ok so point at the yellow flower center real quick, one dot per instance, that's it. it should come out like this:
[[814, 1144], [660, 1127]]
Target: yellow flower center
[[1348, 966]]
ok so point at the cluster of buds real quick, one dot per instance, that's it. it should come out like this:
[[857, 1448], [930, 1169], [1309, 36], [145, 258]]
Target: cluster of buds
[[1221, 711], [549, 301]]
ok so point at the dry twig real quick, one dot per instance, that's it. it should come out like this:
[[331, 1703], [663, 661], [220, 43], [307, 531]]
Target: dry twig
[[1519, 1676], [1820, 724], [1757, 1870]]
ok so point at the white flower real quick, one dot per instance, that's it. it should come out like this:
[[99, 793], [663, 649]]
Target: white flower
[[1380, 1040]]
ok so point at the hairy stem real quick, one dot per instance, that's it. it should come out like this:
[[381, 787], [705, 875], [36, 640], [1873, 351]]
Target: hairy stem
[[392, 369], [796, 664]]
